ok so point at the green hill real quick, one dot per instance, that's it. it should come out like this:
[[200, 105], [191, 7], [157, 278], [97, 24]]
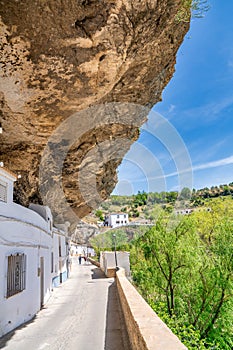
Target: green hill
[[145, 206]]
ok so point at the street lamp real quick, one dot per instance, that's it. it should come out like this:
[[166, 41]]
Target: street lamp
[[114, 238]]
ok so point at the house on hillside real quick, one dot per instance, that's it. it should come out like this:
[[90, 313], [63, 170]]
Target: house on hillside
[[116, 219], [33, 257], [183, 211], [188, 211]]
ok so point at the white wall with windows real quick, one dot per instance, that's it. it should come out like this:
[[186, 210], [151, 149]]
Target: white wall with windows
[[116, 220], [60, 268], [26, 284], [29, 259]]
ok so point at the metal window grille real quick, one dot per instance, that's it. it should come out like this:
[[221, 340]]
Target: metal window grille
[[3, 191], [16, 274]]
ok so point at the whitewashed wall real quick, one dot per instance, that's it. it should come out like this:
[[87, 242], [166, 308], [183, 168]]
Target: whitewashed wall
[[116, 220], [108, 261], [27, 237], [60, 267], [24, 231]]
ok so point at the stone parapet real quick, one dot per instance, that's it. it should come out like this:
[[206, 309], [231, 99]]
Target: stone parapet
[[110, 272], [146, 330], [94, 262]]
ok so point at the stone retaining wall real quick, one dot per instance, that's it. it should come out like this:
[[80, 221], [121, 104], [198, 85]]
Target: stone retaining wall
[[94, 262], [146, 330], [111, 272]]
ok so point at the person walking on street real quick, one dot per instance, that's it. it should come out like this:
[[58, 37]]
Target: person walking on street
[[80, 259]]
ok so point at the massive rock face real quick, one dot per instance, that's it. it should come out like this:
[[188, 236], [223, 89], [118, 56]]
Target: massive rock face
[[77, 79]]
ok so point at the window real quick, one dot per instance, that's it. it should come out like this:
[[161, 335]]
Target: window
[[16, 274], [3, 191]]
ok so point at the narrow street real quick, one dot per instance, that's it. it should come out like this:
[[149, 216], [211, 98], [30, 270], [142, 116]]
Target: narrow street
[[82, 314]]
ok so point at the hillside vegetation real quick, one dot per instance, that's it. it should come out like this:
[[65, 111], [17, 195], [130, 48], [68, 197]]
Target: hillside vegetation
[[183, 265], [144, 206]]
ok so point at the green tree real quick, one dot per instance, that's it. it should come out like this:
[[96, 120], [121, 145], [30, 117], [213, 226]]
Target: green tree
[[185, 272], [185, 194], [171, 197], [170, 246], [99, 214]]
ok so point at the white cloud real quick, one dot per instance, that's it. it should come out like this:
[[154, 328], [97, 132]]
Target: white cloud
[[210, 111], [214, 164], [208, 165], [171, 108]]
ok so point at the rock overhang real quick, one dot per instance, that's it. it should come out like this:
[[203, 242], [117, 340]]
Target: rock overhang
[[76, 58]]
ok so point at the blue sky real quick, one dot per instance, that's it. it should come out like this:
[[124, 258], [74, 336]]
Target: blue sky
[[188, 139]]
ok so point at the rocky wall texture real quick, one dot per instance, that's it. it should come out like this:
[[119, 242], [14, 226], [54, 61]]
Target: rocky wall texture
[[63, 58]]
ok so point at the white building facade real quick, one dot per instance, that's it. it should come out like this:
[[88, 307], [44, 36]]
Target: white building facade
[[33, 257], [116, 220], [83, 250]]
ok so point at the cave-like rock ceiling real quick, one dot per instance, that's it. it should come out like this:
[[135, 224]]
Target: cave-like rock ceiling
[[77, 80]]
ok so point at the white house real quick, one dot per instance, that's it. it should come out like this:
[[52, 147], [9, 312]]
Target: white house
[[33, 257], [116, 220]]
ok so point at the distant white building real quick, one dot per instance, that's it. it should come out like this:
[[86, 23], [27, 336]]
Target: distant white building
[[183, 211], [116, 220], [33, 257], [83, 250], [188, 211]]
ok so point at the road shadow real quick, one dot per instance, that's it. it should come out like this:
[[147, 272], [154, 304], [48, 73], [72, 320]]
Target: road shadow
[[4, 340], [97, 273], [116, 336]]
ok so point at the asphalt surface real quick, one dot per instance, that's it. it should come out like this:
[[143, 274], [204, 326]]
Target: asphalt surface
[[82, 314]]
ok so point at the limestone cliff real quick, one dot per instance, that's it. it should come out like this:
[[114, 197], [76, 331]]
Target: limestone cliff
[[89, 58]]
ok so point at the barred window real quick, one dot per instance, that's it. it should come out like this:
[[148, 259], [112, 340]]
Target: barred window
[[16, 274], [3, 191]]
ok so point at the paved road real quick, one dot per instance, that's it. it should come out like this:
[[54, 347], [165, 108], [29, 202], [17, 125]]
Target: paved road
[[82, 314]]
